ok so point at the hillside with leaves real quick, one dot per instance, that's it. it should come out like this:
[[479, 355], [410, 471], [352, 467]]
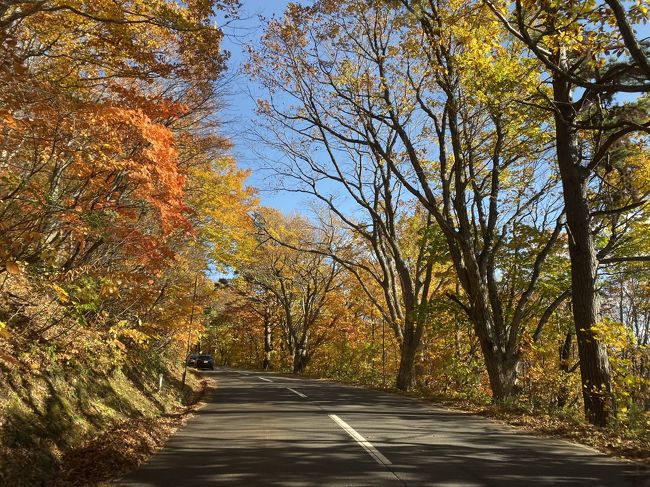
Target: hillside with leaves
[[116, 192]]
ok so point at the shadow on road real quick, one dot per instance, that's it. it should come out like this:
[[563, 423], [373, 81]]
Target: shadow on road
[[260, 433]]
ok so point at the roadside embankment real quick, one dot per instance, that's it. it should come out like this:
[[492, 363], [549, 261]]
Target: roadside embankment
[[77, 426]]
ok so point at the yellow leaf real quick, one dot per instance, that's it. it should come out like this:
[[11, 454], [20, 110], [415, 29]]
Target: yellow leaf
[[63, 295], [4, 332]]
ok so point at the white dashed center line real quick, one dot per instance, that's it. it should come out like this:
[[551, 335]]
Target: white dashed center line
[[264, 378], [372, 451], [296, 392]]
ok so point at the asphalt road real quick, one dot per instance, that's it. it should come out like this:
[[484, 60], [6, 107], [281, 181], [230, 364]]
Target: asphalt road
[[265, 429]]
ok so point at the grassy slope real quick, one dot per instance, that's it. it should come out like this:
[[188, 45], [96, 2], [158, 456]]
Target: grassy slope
[[46, 415]]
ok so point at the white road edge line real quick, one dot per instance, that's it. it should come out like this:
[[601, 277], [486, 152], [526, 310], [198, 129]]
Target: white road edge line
[[264, 378], [372, 451], [296, 392]]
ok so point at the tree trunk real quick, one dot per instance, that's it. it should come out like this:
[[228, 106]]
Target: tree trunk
[[501, 361], [594, 363], [408, 351], [565, 355], [502, 369], [405, 372], [300, 361], [268, 345]]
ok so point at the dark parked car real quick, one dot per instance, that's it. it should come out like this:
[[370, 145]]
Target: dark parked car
[[191, 359], [205, 362]]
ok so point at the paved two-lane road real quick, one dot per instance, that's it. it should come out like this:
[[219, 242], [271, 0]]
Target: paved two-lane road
[[265, 429]]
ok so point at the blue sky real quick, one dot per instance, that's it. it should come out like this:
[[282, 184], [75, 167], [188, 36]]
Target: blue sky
[[240, 110]]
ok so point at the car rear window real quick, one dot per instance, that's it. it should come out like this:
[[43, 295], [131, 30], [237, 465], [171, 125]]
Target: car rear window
[[205, 357]]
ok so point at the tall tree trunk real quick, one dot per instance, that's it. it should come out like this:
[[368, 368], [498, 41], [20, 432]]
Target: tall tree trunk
[[268, 345], [410, 344], [300, 361], [501, 360], [502, 369], [565, 354], [594, 363], [408, 351]]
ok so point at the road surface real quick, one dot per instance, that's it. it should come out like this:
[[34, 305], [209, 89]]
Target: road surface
[[265, 429]]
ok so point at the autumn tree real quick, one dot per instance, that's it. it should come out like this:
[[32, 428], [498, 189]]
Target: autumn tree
[[370, 207], [303, 285], [248, 300], [116, 188], [591, 55], [367, 85], [372, 244]]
